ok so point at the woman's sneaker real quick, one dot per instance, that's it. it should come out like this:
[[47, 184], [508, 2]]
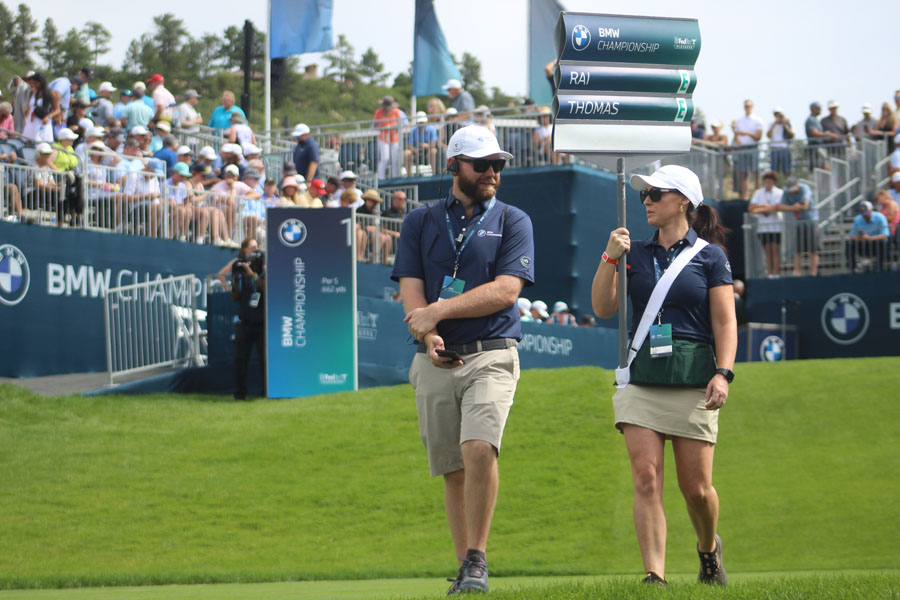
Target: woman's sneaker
[[711, 569], [474, 576], [654, 579]]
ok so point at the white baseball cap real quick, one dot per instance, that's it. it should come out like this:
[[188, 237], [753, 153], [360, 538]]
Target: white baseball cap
[[348, 175], [96, 132], [106, 87], [560, 306], [139, 85], [777, 111], [834, 104], [99, 146], [895, 177], [421, 117], [139, 130], [183, 150], [232, 149], [452, 84], [475, 141], [541, 307], [867, 107], [672, 177], [300, 129], [250, 149], [66, 134], [233, 169], [43, 148], [524, 304], [164, 126], [208, 153]]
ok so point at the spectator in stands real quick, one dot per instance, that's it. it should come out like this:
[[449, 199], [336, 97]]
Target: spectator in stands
[[740, 307], [44, 193], [867, 127], [168, 154], [186, 116], [37, 119], [185, 155], [99, 186], [781, 133], [137, 113], [103, 109], [229, 194], [698, 130], [868, 239], [387, 121], [894, 161], [221, 116], [14, 210], [887, 127], [306, 152], [816, 137], [164, 104], [64, 156], [398, 206], [21, 96], [587, 321], [539, 311], [421, 146], [205, 213], [119, 108], [482, 117], [837, 126], [78, 116], [240, 132], [897, 106], [334, 189], [717, 138], [894, 189], [59, 91], [348, 200], [206, 157], [435, 110], [270, 196], [348, 181], [524, 306], [148, 100], [158, 130], [83, 92], [114, 138], [798, 197], [766, 204], [143, 196], [543, 138], [371, 202], [748, 131], [253, 212], [561, 315], [889, 207], [7, 122], [317, 190], [180, 210], [142, 136], [463, 103]]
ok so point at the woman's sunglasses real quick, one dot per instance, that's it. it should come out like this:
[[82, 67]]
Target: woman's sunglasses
[[481, 164], [655, 194]]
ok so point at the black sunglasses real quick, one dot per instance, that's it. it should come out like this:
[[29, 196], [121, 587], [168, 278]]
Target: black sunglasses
[[655, 194], [481, 164]]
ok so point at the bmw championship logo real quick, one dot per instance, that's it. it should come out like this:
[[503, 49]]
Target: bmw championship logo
[[292, 232], [14, 275], [845, 318], [772, 349], [581, 37]]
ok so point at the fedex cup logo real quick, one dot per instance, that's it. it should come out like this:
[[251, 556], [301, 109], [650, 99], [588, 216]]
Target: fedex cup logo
[[581, 37]]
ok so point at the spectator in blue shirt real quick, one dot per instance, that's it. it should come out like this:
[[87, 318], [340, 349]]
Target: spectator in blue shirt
[[221, 117], [168, 153], [306, 153], [798, 196], [421, 145], [868, 239]]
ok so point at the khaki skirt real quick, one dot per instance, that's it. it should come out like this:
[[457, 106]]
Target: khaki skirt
[[672, 411]]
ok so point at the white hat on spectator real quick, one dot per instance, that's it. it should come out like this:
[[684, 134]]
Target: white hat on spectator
[[106, 87], [896, 176], [421, 117], [66, 134], [183, 150], [452, 84], [164, 126], [451, 111], [867, 107], [250, 149], [139, 130], [475, 141], [232, 149], [833, 104], [777, 110], [524, 304], [672, 177], [717, 124], [139, 85], [43, 148], [300, 129], [208, 153], [233, 169], [95, 132], [300, 178], [99, 146], [541, 307], [348, 175]]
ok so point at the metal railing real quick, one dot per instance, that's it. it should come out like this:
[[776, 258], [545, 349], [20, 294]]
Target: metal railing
[[153, 324], [35, 194]]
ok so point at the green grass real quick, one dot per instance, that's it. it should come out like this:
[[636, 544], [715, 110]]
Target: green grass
[[122, 491]]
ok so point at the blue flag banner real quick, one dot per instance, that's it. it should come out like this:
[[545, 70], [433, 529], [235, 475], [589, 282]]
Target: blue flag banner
[[432, 63], [300, 26], [542, 18]]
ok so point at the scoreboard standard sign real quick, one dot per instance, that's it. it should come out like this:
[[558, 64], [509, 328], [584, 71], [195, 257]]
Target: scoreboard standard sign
[[310, 301], [624, 86]]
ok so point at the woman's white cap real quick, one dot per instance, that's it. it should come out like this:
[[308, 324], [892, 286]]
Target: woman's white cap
[[672, 177]]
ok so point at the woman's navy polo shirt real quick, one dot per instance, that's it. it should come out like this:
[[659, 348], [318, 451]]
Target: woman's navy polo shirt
[[503, 244], [686, 306]]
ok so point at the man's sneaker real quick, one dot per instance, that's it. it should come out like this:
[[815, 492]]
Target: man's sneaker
[[654, 579], [711, 568], [454, 587], [473, 576]]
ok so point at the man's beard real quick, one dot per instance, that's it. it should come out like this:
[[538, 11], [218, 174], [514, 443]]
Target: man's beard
[[470, 188]]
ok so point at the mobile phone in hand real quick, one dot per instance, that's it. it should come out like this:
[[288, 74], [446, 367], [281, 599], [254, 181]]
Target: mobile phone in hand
[[449, 354]]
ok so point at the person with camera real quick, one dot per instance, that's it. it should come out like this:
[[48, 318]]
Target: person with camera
[[248, 287]]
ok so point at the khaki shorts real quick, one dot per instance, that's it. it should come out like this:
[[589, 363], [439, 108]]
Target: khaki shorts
[[470, 402]]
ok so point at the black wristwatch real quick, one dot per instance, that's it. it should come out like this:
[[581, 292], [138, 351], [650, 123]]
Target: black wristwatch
[[728, 374]]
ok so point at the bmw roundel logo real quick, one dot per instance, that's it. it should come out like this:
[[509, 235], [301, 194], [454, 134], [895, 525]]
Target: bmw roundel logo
[[772, 349], [482, 233], [15, 277], [845, 318], [292, 232], [581, 37]]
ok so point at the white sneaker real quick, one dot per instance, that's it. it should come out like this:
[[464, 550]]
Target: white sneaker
[[200, 240]]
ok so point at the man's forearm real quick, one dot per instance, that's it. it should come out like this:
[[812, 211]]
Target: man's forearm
[[486, 299]]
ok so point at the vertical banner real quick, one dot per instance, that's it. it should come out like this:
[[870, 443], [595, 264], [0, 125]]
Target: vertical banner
[[299, 26], [310, 301], [542, 18], [432, 62]]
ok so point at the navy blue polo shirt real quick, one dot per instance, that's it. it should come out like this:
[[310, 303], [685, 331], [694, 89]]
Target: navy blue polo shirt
[[686, 306], [503, 244], [305, 153]]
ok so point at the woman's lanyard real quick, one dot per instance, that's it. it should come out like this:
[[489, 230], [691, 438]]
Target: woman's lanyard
[[658, 273], [462, 240]]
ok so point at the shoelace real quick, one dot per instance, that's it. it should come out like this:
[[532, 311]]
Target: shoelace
[[709, 563]]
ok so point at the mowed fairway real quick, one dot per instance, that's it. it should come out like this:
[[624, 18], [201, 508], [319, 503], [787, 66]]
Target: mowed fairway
[[173, 489]]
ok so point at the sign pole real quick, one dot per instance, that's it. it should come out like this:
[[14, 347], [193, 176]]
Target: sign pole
[[622, 267]]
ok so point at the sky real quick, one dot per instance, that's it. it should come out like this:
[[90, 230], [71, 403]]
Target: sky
[[775, 52]]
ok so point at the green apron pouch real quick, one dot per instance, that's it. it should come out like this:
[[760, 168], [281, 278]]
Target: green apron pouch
[[692, 364]]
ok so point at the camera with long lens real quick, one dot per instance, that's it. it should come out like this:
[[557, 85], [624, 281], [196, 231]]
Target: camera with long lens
[[256, 260]]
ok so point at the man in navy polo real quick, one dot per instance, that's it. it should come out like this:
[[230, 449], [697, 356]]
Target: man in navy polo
[[306, 152], [461, 264]]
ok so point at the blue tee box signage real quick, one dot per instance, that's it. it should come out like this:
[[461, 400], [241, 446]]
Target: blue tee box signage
[[310, 301]]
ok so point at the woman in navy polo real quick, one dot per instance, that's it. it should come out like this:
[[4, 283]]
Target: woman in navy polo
[[679, 378]]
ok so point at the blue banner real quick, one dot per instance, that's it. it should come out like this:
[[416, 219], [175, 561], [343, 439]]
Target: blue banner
[[300, 26], [542, 18], [432, 64], [310, 301]]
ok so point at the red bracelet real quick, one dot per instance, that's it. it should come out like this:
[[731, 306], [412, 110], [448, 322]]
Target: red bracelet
[[607, 259]]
